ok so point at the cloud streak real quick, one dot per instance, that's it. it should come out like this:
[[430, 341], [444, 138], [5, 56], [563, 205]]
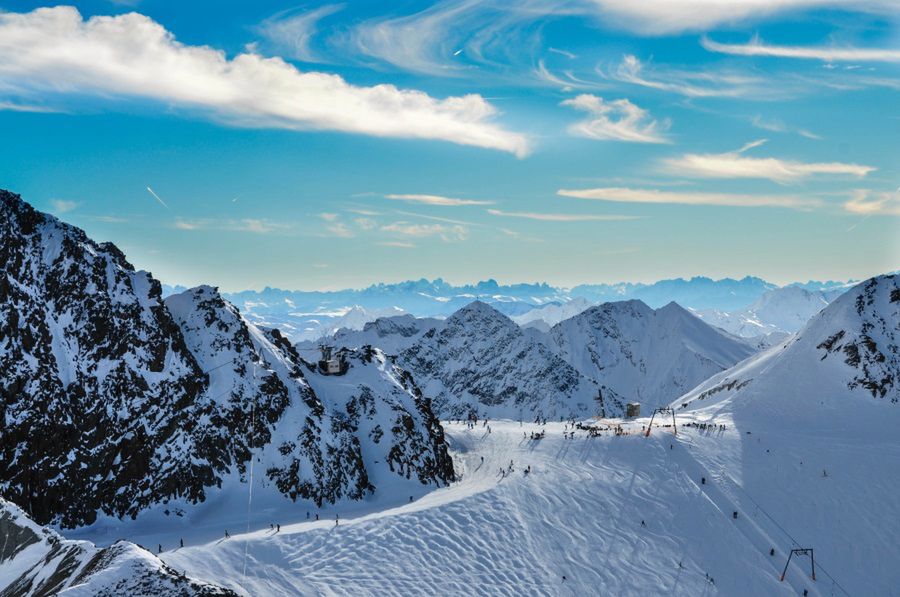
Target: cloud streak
[[558, 217], [616, 120], [435, 200], [54, 51], [825, 53], [655, 196], [736, 165]]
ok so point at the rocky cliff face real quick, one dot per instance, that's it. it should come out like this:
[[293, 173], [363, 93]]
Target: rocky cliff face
[[112, 395]]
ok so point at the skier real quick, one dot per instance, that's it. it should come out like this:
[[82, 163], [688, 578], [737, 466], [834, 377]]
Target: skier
[[307, 515], [335, 520], [410, 499], [317, 516], [277, 528], [643, 524], [226, 534], [772, 552], [159, 548], [181, 542]]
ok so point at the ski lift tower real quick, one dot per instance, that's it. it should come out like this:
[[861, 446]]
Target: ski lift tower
[[663, 411]]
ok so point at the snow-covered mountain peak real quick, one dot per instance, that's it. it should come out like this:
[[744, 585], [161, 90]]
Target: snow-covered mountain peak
[[642, 354]]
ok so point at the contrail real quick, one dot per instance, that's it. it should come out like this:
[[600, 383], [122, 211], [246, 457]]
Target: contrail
[[155, 196]]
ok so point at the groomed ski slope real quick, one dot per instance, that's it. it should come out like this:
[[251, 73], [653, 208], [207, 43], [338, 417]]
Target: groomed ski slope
[[578, 515]]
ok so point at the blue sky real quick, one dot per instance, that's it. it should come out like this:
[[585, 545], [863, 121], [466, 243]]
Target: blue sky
[[571, 141]]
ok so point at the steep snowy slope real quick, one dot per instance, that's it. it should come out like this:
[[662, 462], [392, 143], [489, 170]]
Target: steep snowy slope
[[784, 310], [158, 406], [845, 354], [650, 356], [818, 449], [36, 561]]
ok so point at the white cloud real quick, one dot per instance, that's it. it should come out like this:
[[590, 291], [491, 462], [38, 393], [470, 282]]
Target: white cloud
[[329, 217], [55, 51], [397, 244], [256, 226], [557, 217], [365, 223], [186, 225], [251, 225], [61, 206], [340, 230], [291, 32], [436, 200], [109, 219], [661, 17], [447, 233], [617, 120], [826, 53], [630, 195], [871, 203], [736, 165]]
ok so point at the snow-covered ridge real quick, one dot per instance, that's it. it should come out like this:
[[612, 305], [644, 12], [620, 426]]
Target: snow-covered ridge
[[161, 405], [36, 561]]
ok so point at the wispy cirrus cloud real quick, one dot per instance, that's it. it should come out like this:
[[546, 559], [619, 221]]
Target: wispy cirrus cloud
[[291, 32], [616, 120], [656, 196], [559, 217], [776, 125], [54, 52], [735, 164], [757, 47], [435, 200], [689, 83], [397, 244]]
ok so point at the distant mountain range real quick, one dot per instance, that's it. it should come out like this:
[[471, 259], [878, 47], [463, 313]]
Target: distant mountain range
[[307, 315]]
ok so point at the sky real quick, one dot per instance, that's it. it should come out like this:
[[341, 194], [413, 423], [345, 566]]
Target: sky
[[334, 145]]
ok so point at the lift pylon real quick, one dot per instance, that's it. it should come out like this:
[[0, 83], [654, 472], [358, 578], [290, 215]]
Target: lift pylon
[[800, 552], [663, 410]]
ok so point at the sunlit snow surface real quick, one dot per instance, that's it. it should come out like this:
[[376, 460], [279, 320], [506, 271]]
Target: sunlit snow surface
[[578, 515]]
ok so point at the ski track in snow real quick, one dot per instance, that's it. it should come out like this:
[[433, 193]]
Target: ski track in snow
[[577, 514]]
